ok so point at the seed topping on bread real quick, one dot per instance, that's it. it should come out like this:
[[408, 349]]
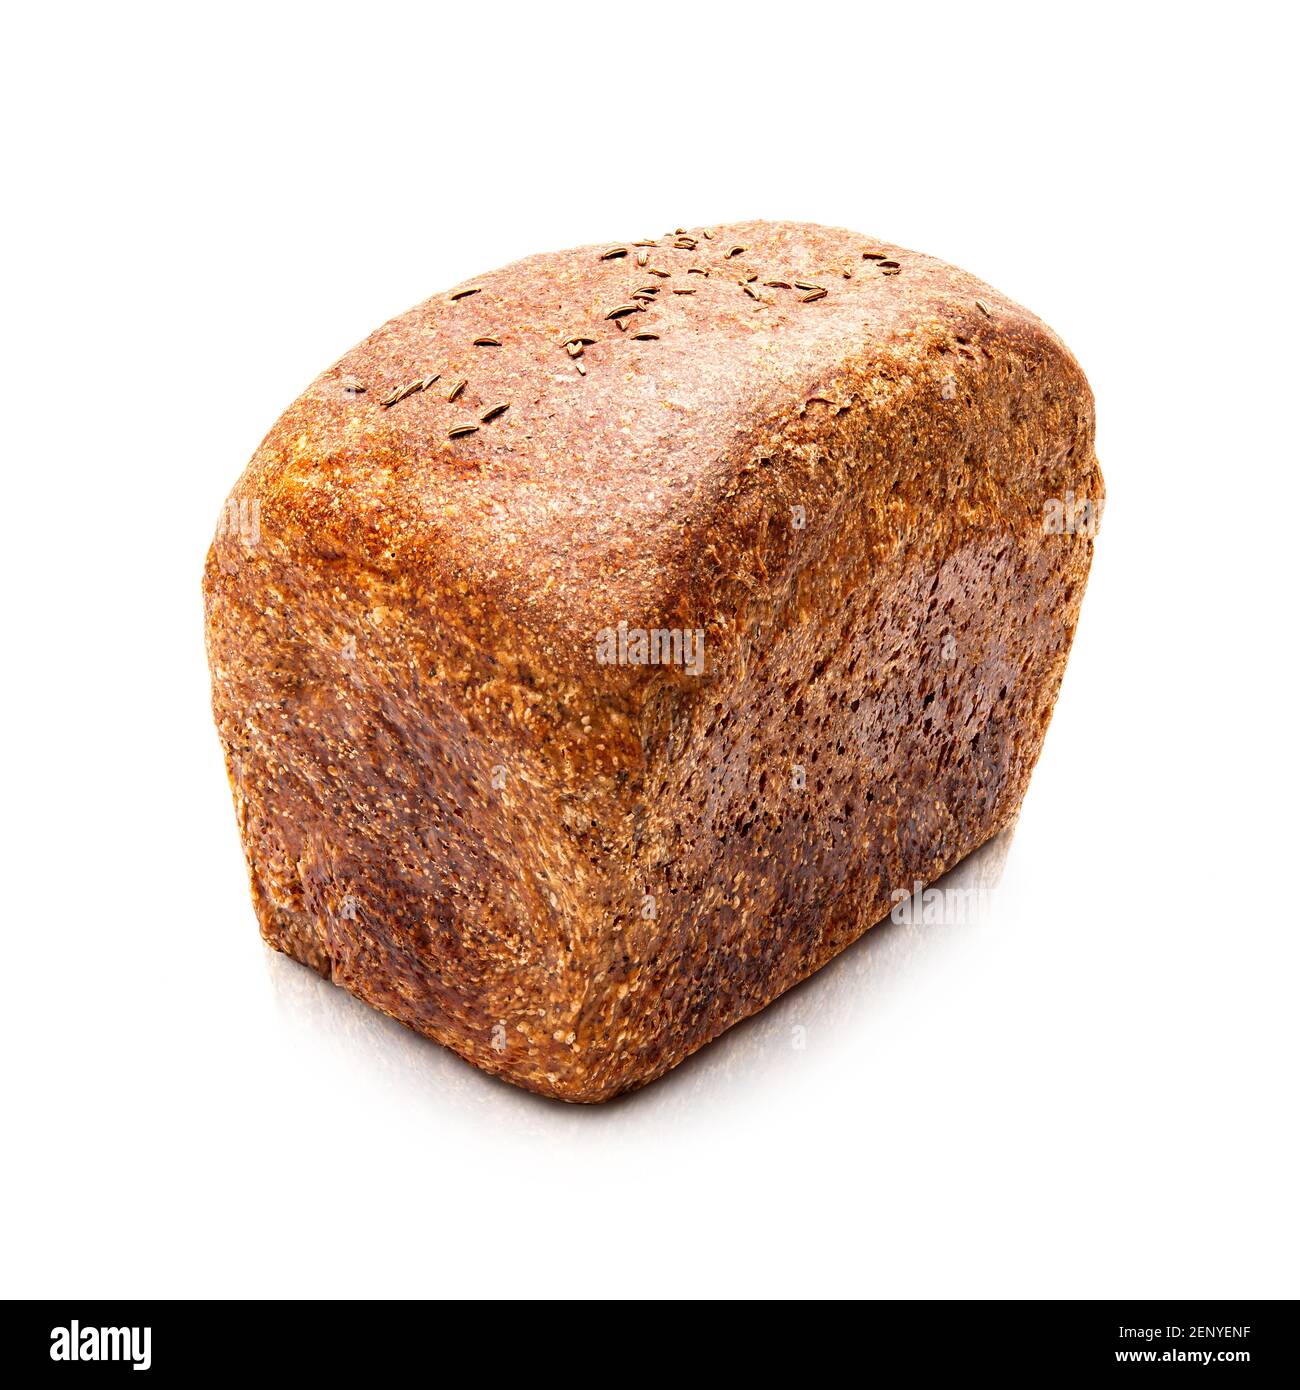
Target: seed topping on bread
[[809, 287]]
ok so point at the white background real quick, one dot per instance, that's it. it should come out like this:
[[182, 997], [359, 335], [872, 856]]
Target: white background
[[1090, 1091]]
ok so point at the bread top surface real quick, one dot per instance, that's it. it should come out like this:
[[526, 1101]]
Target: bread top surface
[[652, 412]]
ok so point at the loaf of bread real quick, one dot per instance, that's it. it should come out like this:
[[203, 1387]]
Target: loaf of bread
[[606, 643]]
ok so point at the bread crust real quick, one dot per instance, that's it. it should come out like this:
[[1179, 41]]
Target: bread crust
[[576, 871]]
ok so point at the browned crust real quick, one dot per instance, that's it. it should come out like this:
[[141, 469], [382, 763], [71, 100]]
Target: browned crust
[[419, 610]]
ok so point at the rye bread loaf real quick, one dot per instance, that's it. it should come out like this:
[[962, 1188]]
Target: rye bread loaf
[[601, 646]]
